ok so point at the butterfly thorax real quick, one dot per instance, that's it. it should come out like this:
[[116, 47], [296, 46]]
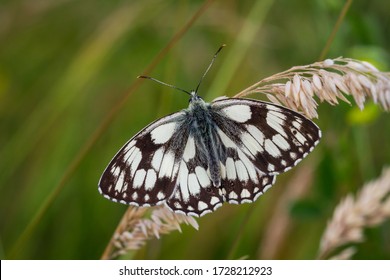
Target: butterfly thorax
[[203, 129]]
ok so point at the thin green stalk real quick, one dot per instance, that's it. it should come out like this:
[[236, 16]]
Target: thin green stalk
[[336, 28], [240, 234], [365, 159]]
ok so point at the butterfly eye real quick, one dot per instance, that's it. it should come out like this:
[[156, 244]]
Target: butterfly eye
[[195, 97]]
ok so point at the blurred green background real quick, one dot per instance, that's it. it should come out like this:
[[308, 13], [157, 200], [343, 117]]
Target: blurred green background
[[66, 64]]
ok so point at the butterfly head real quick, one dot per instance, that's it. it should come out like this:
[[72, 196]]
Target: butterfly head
[[194, 97], [196, 100]]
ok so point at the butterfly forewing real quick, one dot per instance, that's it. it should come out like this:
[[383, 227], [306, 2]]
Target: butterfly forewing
[[273, 137], [144, 171]]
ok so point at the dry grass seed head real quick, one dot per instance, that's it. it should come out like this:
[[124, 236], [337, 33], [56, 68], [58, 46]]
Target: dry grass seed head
[[370, 207], [135, 230], [329, 80]]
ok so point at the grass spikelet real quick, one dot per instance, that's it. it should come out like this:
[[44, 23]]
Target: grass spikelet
[[140, 224], [329, 81], [369, 208]]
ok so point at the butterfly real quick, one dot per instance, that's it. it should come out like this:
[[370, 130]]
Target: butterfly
[[194, 160]]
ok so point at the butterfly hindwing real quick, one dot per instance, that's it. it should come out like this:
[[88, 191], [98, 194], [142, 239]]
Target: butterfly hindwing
[[194, 193], [243, 182]]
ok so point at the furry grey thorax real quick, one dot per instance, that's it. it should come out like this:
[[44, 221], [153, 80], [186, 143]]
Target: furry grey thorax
[[203, 129]]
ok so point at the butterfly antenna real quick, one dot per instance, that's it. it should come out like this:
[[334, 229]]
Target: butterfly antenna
[[165, 84], [208, 68]]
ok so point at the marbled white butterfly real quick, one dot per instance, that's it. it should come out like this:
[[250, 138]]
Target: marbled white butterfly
[[229, 150]]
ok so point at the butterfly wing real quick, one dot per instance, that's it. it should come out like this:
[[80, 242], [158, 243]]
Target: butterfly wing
[[163, 163], [194, 193], [262, 140], [243, 181], [144, 171]]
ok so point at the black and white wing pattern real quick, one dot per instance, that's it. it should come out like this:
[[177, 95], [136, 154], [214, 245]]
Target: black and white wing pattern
[[274, 137], [262, 140], [144, 171], [195, 160]]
